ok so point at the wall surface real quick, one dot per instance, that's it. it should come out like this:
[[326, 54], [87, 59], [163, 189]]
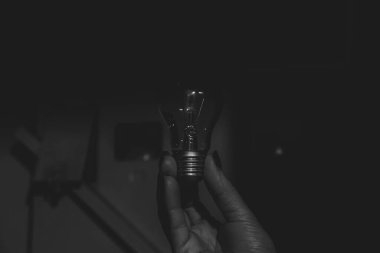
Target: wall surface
[[128, 185], [14, 183]]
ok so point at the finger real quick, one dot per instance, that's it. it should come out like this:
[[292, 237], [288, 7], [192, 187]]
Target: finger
[[224, 194], [199, 213], [206, 215], [168, 165], [194, 216], [160, 197], [179, 230]]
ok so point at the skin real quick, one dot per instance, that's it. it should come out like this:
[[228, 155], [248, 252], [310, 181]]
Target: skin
[[192, 229]]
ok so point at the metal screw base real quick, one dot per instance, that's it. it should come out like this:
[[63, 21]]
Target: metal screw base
[[190, 164]]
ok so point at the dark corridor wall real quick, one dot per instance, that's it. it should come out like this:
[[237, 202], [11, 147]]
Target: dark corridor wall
[[281, 168], [122, 176], [272, 61], [269, 161]]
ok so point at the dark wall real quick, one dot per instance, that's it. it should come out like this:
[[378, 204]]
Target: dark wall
[[272, 60]]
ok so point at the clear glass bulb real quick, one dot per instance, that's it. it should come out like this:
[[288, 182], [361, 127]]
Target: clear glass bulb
[[190, 115]]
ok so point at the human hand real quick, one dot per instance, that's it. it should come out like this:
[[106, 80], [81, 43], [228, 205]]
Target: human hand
[[192, 229]]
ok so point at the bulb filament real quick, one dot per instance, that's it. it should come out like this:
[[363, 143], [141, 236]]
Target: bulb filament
[[190, 138]]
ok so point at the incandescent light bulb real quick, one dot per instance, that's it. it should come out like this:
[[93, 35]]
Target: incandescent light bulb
[[190, 114]]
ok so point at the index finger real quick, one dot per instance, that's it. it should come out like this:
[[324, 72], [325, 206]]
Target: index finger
[[175, 222]]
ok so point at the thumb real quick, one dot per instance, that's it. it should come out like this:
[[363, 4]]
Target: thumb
[[224, 194]]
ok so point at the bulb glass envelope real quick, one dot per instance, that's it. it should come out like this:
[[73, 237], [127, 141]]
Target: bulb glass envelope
[[190, 115]]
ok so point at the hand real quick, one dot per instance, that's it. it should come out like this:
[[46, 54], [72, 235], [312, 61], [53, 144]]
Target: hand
[[193, 229]]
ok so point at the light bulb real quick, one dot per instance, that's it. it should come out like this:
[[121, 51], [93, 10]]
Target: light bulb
[[190, 114]]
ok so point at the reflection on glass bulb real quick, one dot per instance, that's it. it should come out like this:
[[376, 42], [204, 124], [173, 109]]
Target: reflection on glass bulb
[[190, 115]]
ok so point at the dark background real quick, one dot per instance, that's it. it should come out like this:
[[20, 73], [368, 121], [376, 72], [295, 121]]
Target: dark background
[[272, 60], [103, 51]]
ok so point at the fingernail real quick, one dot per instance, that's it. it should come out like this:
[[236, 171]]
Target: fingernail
[[168, 181], [217, 160]]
